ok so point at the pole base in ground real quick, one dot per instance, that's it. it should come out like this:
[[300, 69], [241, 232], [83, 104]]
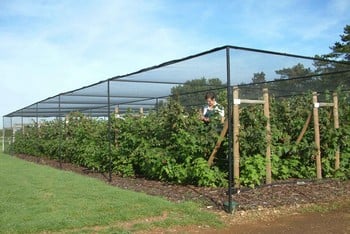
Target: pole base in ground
[[230, 208]]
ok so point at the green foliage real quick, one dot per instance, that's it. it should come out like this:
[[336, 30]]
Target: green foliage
[[252, 170], [168, 146], [173, 145]]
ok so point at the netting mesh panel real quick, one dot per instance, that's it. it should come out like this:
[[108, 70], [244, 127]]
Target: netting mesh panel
[[187, 80], [285, 76], [211, 65]]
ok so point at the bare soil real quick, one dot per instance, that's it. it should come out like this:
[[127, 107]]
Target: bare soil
[[266, 209]]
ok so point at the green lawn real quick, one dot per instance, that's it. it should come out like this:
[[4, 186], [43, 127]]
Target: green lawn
[[36, 198]]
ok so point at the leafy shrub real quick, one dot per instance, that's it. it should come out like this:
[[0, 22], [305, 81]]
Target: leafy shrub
[[172, 145]]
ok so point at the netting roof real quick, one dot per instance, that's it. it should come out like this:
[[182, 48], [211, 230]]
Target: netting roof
[[229, 64]]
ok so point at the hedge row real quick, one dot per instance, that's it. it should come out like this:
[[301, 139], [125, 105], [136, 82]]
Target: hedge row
[[172, 145]]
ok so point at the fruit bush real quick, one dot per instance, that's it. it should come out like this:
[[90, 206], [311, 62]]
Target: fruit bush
[[172, 145]]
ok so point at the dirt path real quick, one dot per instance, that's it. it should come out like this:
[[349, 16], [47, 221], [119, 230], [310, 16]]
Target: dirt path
[[321, 222], [334, 222]]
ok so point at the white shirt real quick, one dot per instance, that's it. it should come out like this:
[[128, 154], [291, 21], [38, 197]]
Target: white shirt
[[216, 107]]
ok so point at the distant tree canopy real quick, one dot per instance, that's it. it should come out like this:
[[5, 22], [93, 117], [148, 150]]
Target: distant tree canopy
[[259, 77], [296, 71], [191, 93]]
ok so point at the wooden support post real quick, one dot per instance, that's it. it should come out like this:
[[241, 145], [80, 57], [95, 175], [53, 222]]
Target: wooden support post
[[141, 111], [268, 135], [236, 158], [116, 112], [336, 126], [317, 136]]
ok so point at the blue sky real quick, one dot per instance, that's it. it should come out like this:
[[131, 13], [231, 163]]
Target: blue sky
[[53, 46]]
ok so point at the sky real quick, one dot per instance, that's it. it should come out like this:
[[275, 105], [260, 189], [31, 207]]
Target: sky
[[52, 46]]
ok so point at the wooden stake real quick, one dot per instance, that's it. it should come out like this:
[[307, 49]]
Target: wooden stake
[[116, 111], [317, 136], [336, 126], [141, 111], [268, 136], [235, 138], [218, 143], [307, 122]]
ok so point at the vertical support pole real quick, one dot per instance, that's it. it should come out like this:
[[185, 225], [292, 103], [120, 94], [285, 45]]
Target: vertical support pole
[[3, 134], [116, 113], [268, 135], [230, 129], [336, 126], [141, 111], [22, 124], [60, 132], [236, 157], [109, 132], [157, 105], [37, 126], [37, 115], [11, 137], [317, 136]]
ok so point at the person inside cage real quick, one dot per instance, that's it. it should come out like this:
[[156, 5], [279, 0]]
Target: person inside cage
[[213, 110]]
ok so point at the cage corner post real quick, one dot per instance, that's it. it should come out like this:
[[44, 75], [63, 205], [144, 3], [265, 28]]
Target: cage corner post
[[60, 126], [109, 135], [230, 130]]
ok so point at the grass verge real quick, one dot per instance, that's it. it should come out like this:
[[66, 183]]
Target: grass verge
[[36, 198]]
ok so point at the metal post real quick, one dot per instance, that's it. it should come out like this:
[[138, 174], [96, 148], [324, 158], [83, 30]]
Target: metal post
[[3, 135], [157, 105], [22, 124], [10, 140], [60, 132], [37, 128], [230, 130], [109, 131], [37, 115]]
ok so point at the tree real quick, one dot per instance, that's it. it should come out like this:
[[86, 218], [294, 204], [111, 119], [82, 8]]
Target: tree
[[292, 80], [341, 50], [191, 93], [294, 72], [259, 77]]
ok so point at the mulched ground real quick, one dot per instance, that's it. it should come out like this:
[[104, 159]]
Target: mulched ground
[[286, 193]]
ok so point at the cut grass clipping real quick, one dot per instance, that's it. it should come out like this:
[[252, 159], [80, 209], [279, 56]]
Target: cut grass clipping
[[36, 198]]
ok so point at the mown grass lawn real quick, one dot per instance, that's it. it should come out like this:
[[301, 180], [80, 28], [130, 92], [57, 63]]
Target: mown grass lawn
[[36, 198]]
